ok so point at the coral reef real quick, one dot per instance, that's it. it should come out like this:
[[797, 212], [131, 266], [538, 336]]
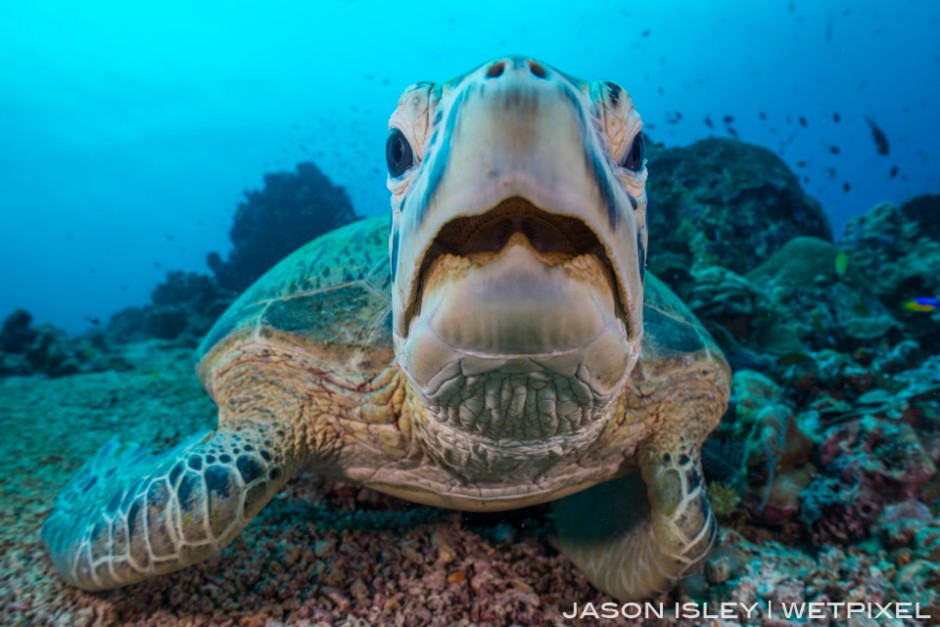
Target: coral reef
[[26, 349], [832, 437], [792, 304], [868, 463], [292, 209], [725, 202], [895, 252], [184, 307], [774, 464]]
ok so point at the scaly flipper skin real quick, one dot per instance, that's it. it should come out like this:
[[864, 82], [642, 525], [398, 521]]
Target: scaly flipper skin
[[128, 515], [636, 536]]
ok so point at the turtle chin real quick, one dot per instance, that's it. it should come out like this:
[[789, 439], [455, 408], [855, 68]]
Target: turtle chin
[[518, 344]]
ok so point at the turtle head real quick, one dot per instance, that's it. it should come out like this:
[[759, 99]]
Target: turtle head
[[517, 245]]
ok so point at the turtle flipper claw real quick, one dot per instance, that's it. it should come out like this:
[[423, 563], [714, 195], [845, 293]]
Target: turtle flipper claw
[[128, 515]]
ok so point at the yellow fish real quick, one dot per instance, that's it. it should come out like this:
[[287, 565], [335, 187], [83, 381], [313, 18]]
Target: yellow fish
[[842, 264]]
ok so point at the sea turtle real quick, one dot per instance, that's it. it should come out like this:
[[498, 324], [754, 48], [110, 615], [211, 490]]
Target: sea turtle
[[497, 347]]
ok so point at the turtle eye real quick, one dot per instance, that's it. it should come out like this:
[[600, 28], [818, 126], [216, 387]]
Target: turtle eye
[[398, 155], [634, 159]]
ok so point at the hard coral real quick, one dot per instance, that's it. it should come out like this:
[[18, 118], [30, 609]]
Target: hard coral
[[184, 308], [775, 465], [17, 332], [869, 463], [822, 308], [896, 252], [291, 210], [725, 202], [25, 349]]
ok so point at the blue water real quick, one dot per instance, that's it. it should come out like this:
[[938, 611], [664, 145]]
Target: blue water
[[128, 134]]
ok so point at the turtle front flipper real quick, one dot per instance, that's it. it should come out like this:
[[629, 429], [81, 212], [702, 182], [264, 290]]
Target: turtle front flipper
[[128, 515], [635, 536]]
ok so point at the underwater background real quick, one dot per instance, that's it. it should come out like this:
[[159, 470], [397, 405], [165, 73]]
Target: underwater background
[[158, 158], [130, 131]]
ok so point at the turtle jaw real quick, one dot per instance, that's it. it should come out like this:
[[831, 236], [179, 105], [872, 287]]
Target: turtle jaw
[[517, 331], [557, 241]]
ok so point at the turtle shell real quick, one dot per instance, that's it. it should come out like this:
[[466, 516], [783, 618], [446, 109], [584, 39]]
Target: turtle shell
[[678, 351], [330, 300], [670, 328]]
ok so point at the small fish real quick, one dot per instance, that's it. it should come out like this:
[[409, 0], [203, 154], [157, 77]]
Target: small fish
[[94, 321], [801, 164], [732, 132], [846, 187], [834, 150], [645, 33], [836, 117], [921, 304], [841, 263], [708, 122], [762, 115], [881, 140], [894, 172], [802, 121], [728, 119]]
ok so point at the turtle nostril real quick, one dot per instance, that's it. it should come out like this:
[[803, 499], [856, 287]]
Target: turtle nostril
[[537, 69], [496, 70]]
